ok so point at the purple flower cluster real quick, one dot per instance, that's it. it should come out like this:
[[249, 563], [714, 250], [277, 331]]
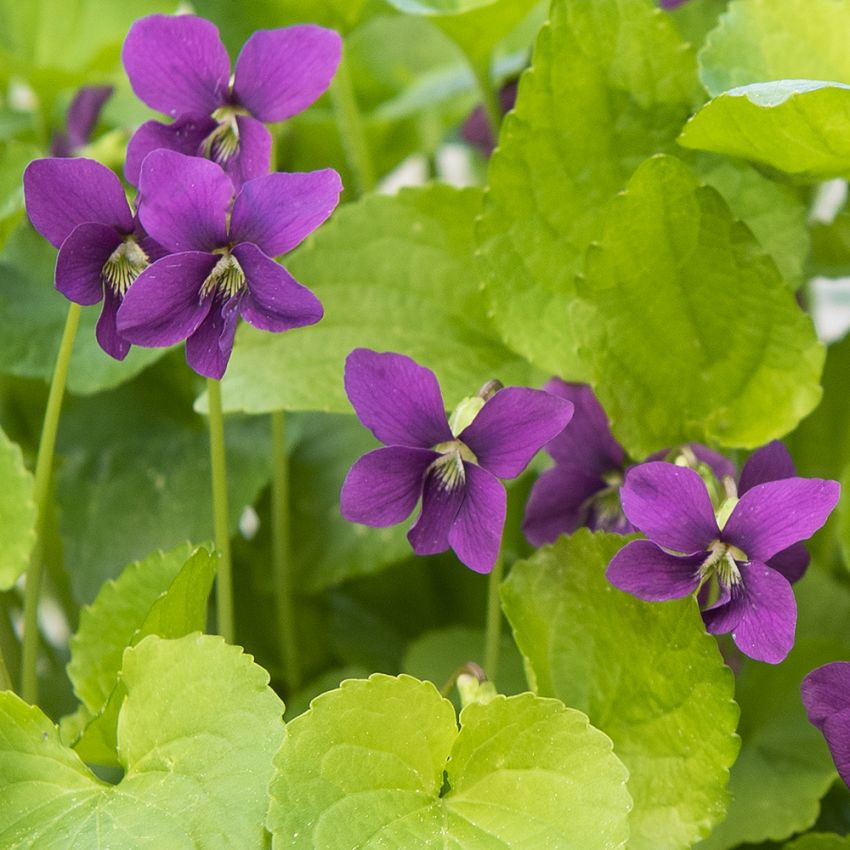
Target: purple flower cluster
[[826, 695], [745, 554], [454, 466], [198, 250]]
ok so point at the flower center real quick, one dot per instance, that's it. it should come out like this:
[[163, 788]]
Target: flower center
[[449, 466], [223, 142], [226, 278], [124, 265], [721, 561]]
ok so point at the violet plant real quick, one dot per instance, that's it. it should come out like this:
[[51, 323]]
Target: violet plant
[[604, 611]]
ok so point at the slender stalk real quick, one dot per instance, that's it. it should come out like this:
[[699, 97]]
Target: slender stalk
[[41, 493], [489, 96], [493, 634], [352, 131], [221, 525], [281, 554], [5, 678]]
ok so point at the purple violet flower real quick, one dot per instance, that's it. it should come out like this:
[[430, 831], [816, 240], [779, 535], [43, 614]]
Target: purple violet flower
[[79, 206], [476, 129], [826, 695], [454, 466], [221, 263], [178, 65], [689, 545], [583, 488], [82, 117]]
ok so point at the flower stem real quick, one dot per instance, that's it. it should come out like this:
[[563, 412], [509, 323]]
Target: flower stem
[[352, 131], [221, 513], [41, 493], [493, 634], [281, 555], [489, 96], [5, 678]]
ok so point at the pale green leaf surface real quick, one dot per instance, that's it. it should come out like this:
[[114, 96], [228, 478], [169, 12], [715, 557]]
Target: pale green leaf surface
[[690, 332], [33, 315], [831, 247], [760, 40], [646, 674], [610, 84], [797, 126], [394, 274], [197, 734], [17, 513], [784, 767], [365, 768]]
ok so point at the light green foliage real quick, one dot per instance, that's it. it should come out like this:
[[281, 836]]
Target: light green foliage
[[784, 768], [689, 330], [17, 513], [380, 763], [135, 476], [394, 274], [760, 40], [33, 315], [831, 247], [439, 653], [610, 84], [440, 7], [797, 126], [197, 734], [645, 673]]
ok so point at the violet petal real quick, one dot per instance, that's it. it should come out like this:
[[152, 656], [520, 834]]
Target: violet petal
[[62, 194], [280, 72], [398, 400], [670, 505], [720, 464], [769, 463], [184, 201], [558, 503], [772, 516], [253, 156], [84, 112], [587, 442], [163, 306], [476, 533], [177, 64], [278, 211], [648, 572], [106, 330], [513, 426], [186, 135], [274, 300], [826, 691], [791, 562], [836, 730], [429, 535], [383, 486], [82, 256], [208, 348]]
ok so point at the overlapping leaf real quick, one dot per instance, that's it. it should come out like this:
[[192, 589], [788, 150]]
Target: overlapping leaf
[[381, 763], [17, 513], [645, 673], [689, 330], [197, 732]]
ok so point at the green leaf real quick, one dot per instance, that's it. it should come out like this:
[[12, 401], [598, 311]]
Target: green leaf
[[820, 842], [165, 594], [831, 247], [760, 40], [394, 274], [438, 654], [33, 315], [797, 126], [136, 475], [17, 513], [610, 84], [439, 7], [646, 674], [380, 763], [784, 768], [689, 330], [197, 735]]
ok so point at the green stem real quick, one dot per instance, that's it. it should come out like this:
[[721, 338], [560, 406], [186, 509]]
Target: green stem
[[281, 554], [41, 493], [5, 678], [493, 634], [221, 513], [489, 95], [352, 131]]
